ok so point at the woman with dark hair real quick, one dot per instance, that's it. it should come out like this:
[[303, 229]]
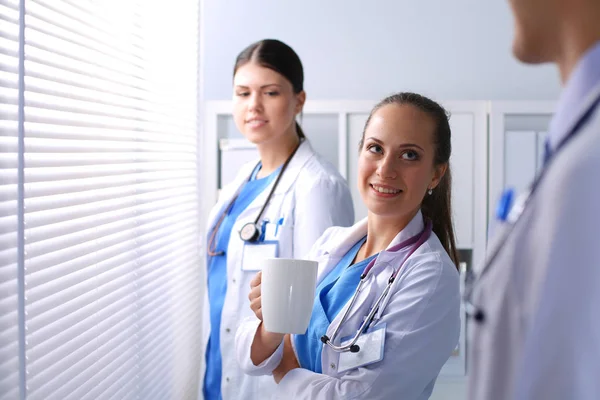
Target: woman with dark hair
[[278, 206], [386, 311]]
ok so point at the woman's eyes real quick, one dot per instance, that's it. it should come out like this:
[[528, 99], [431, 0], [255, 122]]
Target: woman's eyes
[[375, 148], [409, 155], [246, 94]]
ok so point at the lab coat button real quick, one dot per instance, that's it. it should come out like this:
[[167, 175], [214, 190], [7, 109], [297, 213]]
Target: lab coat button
[[227, 330], [227, 379], [332, 365]]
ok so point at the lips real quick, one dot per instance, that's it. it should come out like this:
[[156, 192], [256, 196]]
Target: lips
[[256, 122], [385, 190]]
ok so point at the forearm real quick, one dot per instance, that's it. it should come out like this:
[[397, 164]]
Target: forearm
[[264, 344]]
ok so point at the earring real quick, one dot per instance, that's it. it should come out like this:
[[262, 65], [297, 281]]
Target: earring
[[430, 191]]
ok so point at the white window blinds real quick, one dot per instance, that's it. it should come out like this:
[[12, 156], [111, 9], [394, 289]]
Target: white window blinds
[[9, 174], [110, 246]]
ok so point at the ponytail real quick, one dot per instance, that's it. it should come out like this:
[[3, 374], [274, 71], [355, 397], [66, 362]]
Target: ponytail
[[437, 207], [301, 134]]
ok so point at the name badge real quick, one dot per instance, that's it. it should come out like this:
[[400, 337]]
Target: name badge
[[254, 254], [371, 345]]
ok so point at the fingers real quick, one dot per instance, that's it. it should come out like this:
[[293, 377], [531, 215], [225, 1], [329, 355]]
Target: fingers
[[256, 280], [256, 307], [254, 296]]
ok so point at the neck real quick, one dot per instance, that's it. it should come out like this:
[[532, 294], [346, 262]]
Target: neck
[[380, 233], [578, 34], [274, 154]]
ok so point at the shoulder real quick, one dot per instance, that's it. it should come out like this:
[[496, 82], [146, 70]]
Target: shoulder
[[317, 171], [431, 262], [571, 178], [582, 154]]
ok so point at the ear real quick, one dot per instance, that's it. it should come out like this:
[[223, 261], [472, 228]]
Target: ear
[[300, 99], [438, 173]]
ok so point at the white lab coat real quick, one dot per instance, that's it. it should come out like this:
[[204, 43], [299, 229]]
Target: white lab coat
[[311, 197], [421, 313], [540, 339]]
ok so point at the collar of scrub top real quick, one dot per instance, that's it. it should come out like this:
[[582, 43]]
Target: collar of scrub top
[[212, 247], [510, 214], [416, 242]]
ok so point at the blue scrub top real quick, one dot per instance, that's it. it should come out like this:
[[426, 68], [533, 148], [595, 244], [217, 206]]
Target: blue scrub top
[[332, 294], [217, 280]]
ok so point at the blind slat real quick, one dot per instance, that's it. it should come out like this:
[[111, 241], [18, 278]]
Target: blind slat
[[8, 272], [108, 212], [74, 345], [40, 203], [119, 375], [79, 244], [58, 382], [87, 253]]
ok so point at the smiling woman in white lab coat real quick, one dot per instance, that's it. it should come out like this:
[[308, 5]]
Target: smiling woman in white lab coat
[[277, 206], [404, 180]]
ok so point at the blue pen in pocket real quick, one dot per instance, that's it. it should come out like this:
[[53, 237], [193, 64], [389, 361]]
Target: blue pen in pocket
[[279, 222], [504, 205], [503, 208], [263, 230]]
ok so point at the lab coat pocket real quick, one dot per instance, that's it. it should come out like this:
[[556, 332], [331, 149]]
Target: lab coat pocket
[[283, 233], [277, 229], [254, 254], [371, 345]]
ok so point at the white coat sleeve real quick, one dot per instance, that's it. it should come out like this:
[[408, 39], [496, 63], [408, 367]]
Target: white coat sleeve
[[561, 352], [325, 203], [243, 344], [423, 327], [246, 331]]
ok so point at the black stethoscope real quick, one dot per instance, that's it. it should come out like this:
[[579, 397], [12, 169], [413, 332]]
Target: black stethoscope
[[250, 232], [415, 242], [512, 218]]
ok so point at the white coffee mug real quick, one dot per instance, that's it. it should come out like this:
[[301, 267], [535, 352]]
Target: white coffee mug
[[287, 294]]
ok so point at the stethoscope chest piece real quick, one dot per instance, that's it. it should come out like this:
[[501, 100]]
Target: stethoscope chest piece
[[250, 232]]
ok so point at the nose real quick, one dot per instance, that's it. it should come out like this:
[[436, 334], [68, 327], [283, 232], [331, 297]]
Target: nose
[[255, 102], [386, 168]]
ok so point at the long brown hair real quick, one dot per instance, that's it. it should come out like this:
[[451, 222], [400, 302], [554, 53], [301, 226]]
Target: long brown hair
[[438, 206], [281, 58]]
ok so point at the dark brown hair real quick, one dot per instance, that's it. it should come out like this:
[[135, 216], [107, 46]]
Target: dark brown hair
[[437, 207], [281, 58]]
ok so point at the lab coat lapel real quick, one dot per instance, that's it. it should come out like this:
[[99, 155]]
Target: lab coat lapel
[[377, 279], [339, 246]]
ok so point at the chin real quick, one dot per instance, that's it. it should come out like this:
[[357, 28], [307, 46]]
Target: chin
[[524, 55], [256, 137], [528, 48], [387, 211]]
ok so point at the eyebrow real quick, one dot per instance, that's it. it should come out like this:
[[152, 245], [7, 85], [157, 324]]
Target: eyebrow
[[262, 87], [401, 146]]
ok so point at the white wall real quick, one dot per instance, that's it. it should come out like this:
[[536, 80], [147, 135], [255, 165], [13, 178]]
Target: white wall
[[448, 49]]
